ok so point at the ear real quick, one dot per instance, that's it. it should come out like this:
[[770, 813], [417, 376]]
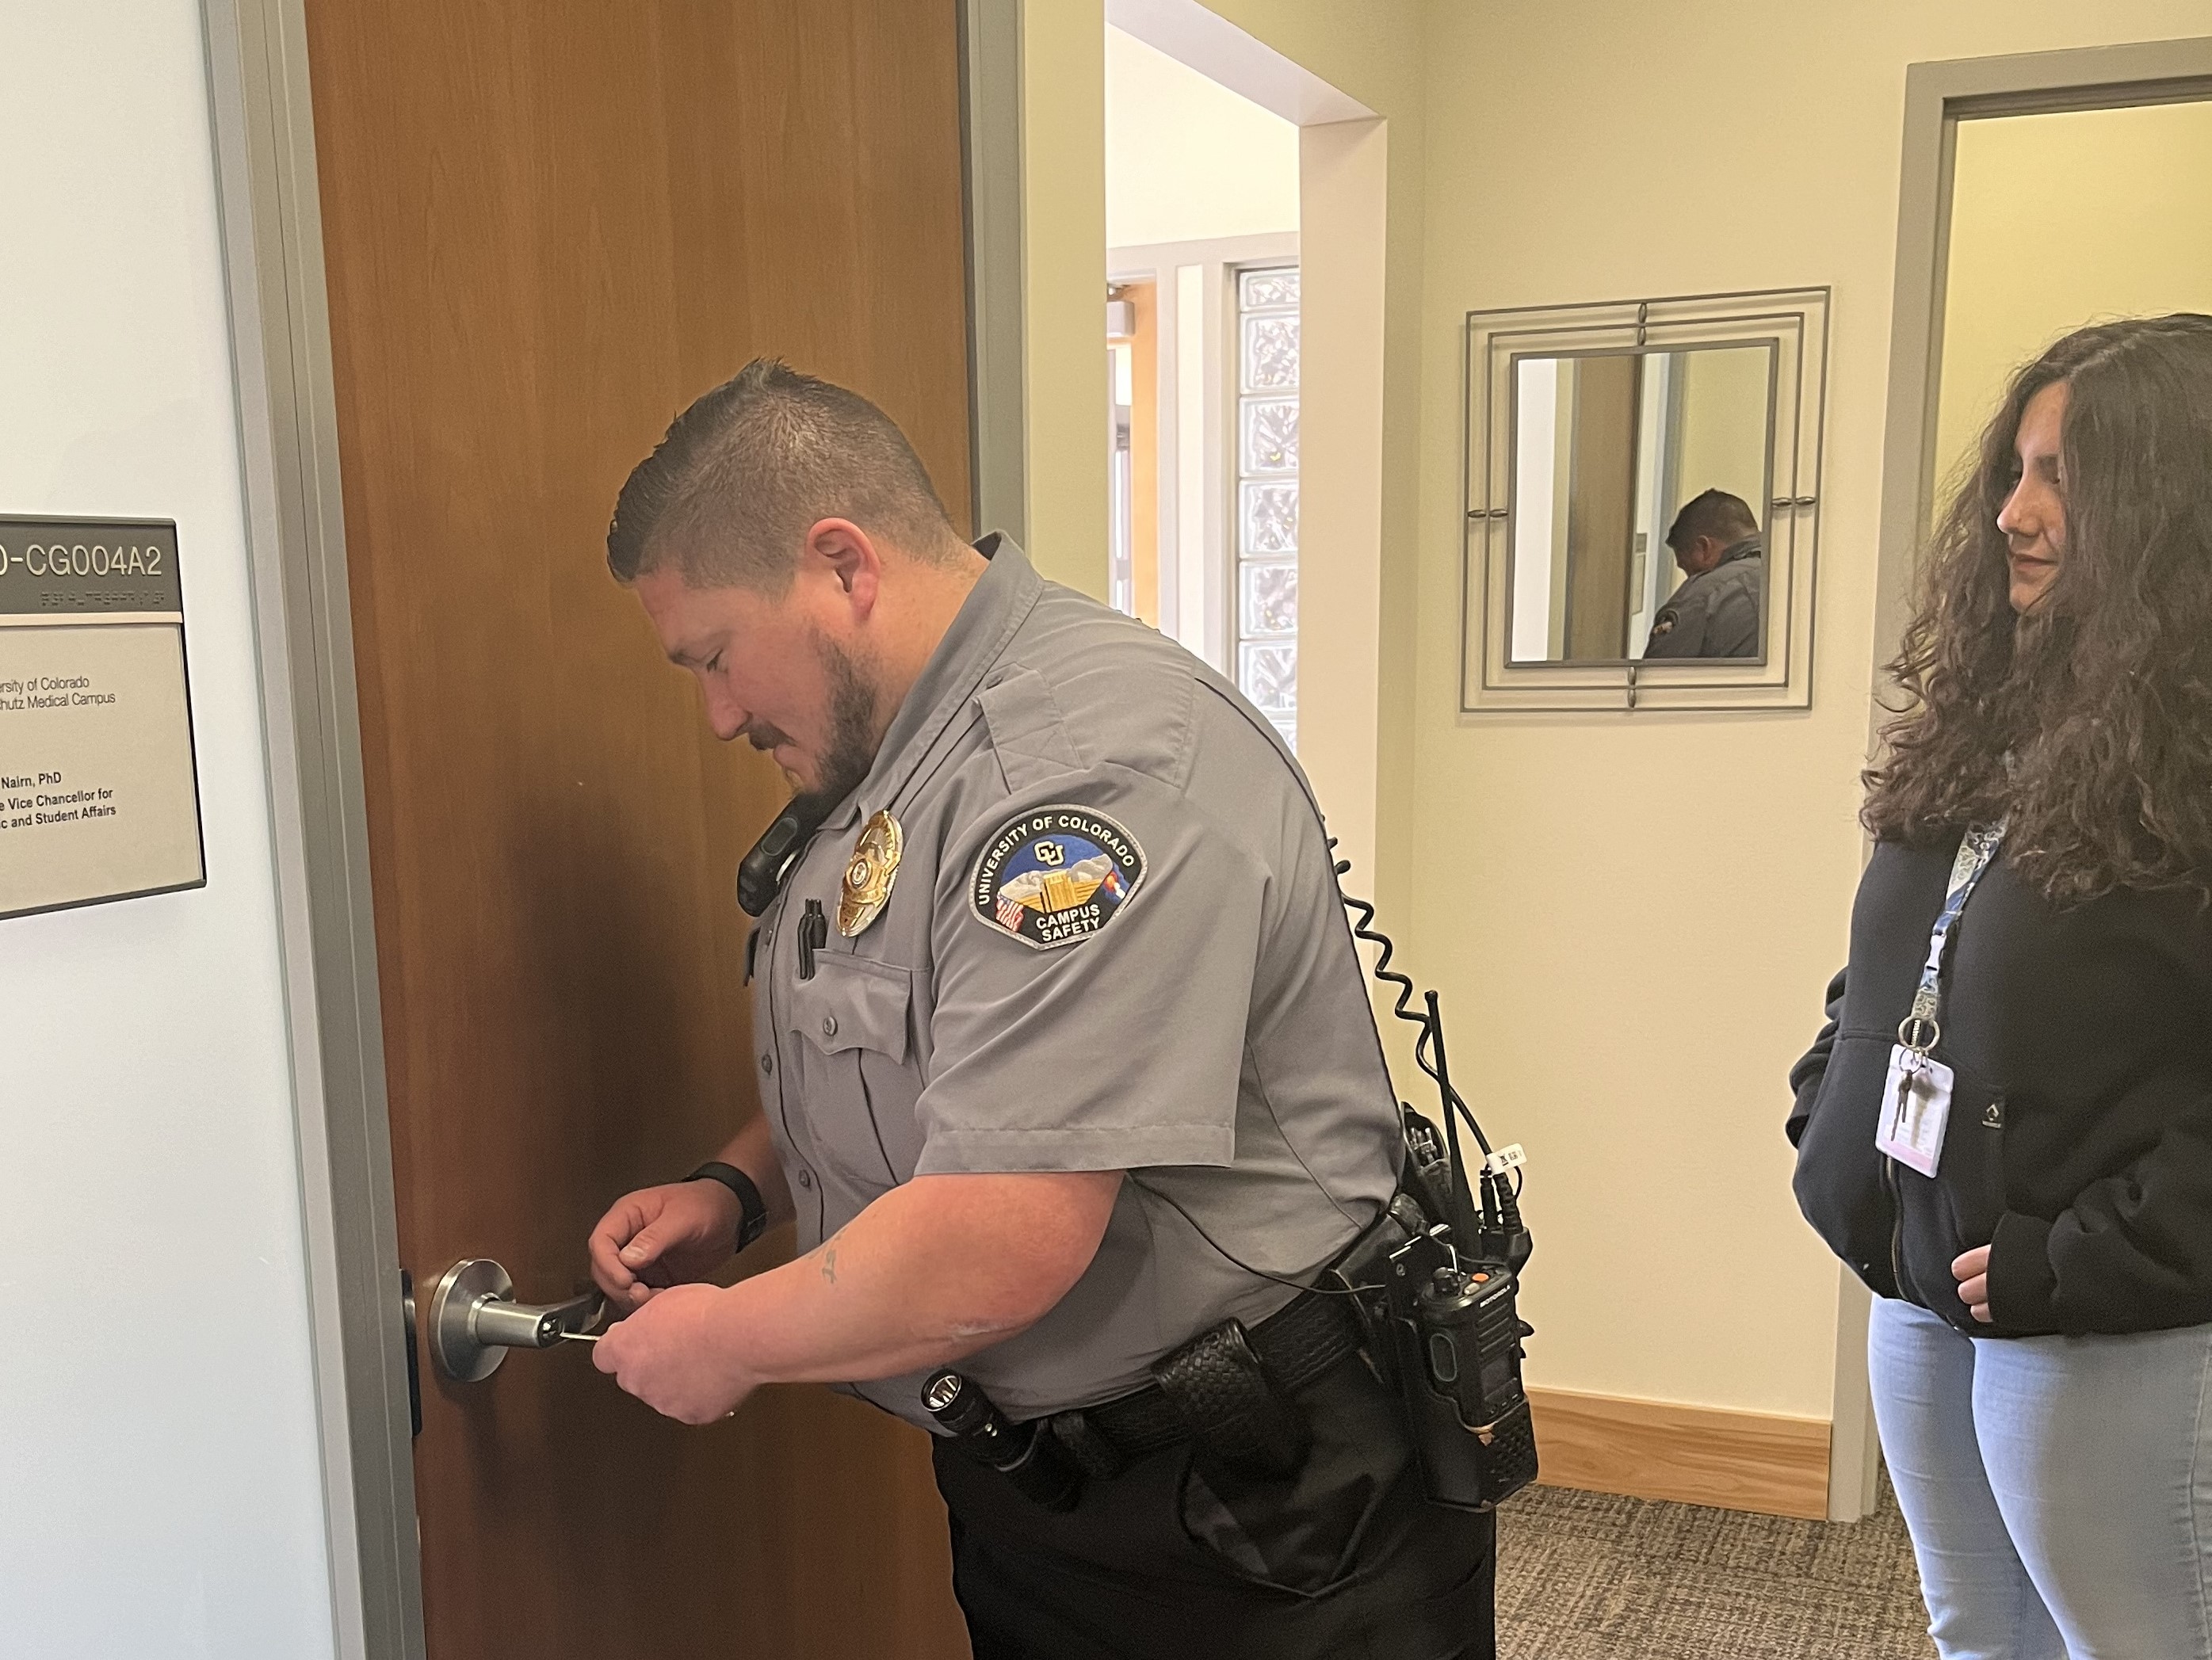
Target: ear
[[839, 552]]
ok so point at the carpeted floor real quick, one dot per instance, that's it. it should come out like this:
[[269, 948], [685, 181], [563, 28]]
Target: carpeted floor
[[1586, 1575]]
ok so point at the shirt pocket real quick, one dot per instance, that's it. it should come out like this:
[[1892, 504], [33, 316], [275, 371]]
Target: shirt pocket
[[859, 1087]]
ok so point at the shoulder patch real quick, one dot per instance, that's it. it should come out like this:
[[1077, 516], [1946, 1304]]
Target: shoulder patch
[[1053, 875]]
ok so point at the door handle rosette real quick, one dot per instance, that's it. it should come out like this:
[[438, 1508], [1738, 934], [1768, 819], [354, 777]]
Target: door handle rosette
[[474, 1319]]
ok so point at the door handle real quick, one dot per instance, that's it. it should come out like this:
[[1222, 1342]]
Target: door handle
[[414, 1363], [474, 1319]]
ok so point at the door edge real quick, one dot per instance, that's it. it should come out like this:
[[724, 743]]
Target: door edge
[[267, 192], [991, 180]]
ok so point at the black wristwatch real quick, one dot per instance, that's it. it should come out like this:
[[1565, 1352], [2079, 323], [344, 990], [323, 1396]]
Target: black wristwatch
[[752, 1209]]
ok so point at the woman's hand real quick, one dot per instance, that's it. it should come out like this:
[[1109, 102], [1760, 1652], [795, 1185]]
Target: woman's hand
[[1972, 1271]]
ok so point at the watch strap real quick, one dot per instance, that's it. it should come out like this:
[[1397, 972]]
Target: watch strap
[[752, 1209]]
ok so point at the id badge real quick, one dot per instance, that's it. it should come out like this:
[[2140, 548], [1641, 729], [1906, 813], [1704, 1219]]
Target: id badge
[[1916, 1109]]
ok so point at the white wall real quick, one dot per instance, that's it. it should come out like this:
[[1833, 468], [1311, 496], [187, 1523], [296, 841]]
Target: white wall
[[159, 1491], [1186, 157]]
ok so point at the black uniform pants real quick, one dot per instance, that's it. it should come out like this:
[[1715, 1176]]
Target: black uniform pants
[[1175, 1558]]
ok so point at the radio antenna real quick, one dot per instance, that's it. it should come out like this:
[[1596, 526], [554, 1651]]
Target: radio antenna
[[1465, 1219]]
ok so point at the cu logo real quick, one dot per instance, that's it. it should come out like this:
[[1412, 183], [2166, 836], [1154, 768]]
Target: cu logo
[[1051, 854]]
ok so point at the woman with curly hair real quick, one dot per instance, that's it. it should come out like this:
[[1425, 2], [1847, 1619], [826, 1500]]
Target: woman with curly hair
[[2006, 1127]]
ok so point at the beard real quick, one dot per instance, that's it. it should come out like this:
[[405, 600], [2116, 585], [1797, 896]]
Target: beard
[[851, 748]]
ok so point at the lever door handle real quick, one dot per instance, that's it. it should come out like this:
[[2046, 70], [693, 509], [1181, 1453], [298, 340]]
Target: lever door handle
[[474, 1319]]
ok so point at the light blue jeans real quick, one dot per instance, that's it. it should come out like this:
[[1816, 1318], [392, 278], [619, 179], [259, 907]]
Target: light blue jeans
[[2059, 1489]]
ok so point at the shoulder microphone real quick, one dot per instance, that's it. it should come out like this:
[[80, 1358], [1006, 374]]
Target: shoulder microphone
[[761, 872]]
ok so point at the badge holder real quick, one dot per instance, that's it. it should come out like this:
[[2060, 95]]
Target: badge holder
[[1916, 1098], [1916, 1104]]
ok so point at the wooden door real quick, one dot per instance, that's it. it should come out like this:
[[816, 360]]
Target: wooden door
[[550, 224], [1601, 506]]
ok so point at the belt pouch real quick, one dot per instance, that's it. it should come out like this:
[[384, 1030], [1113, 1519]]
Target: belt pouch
[[1041, 1472], [1083, 1441], [1222, 1392]]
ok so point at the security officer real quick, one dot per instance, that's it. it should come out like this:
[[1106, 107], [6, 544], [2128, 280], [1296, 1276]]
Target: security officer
[[1715, 612], [1067, 1062]]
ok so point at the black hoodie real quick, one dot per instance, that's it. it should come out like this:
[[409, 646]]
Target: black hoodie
[[2080, 1139]]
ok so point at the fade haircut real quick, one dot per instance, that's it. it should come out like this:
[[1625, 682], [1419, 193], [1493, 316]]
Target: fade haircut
[[1727, 519], [727, 496]]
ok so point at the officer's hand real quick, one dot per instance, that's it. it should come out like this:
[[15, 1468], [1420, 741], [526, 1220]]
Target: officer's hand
[[677, 1357], [663, 1236], [1972, 1271]]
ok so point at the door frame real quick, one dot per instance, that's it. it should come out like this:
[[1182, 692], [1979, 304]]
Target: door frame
[[1937, 97], [287, 414]]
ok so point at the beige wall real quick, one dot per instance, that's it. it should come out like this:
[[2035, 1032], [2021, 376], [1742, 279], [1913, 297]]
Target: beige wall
[[1631, 918], [1642, 911], [1064, 286], [1360, 450], [2062, 220], [1342, 506], [1188, 159], [1724, 398]]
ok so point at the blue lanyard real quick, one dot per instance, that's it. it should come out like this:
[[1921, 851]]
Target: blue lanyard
[[1920, 1030]]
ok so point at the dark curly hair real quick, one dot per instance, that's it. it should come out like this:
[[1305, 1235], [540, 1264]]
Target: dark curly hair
[[2089, 718]]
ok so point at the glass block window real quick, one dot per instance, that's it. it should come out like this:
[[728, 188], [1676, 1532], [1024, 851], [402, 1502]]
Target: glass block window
[[1267, 493]]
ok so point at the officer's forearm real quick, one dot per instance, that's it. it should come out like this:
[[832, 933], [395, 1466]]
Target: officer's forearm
[[752, 1151], [934, 1270]]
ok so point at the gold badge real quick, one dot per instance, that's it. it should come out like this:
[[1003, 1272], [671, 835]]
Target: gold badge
[[869, 875]]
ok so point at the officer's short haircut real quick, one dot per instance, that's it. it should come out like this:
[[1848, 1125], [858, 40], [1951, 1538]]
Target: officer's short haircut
[[1727, 519], [727, 497]]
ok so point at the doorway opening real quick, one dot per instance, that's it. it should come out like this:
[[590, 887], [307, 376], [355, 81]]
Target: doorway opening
[[2111, 142], [1203, 336]]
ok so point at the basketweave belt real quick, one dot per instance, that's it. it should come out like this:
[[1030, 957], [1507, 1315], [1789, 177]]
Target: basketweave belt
[[1297, 1343]]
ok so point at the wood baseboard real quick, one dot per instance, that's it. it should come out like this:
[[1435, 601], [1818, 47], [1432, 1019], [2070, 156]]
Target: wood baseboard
[[1752, 1461]]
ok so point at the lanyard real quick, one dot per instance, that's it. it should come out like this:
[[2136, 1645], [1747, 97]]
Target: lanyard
[[1920, 1030]]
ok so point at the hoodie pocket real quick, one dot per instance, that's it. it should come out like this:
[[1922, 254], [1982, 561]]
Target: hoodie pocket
[[1957, 1209], [1840, 1181]]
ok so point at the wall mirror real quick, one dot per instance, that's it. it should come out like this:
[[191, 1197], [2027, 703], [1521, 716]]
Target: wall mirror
[[1610, 450], [1642, 503]]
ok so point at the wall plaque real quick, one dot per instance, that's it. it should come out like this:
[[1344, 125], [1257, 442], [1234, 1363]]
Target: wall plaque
[[99, 797]]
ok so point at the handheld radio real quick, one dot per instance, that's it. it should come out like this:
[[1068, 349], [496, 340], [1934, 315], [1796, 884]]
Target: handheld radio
[[1436, 1282]]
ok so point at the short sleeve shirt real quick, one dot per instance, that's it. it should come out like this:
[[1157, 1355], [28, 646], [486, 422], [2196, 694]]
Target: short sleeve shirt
[[1114, 941], [1716, 613]]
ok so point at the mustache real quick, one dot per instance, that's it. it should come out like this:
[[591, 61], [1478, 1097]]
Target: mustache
[[763, 736]]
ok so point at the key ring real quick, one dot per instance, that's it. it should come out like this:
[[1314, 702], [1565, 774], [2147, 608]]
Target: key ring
[[1912, 1024]]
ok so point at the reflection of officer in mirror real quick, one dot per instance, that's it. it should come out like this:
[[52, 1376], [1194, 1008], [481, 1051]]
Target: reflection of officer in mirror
[[1715, 612], [1058, 1023]]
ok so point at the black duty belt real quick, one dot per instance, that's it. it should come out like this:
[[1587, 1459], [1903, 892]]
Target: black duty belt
[[1297, 1343]]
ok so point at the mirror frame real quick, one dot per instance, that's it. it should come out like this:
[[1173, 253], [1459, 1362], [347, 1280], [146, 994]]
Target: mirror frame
[[1793, 323]]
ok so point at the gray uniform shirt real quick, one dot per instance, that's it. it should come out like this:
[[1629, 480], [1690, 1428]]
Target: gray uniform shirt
[[1716, 613], [1114, 941]]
